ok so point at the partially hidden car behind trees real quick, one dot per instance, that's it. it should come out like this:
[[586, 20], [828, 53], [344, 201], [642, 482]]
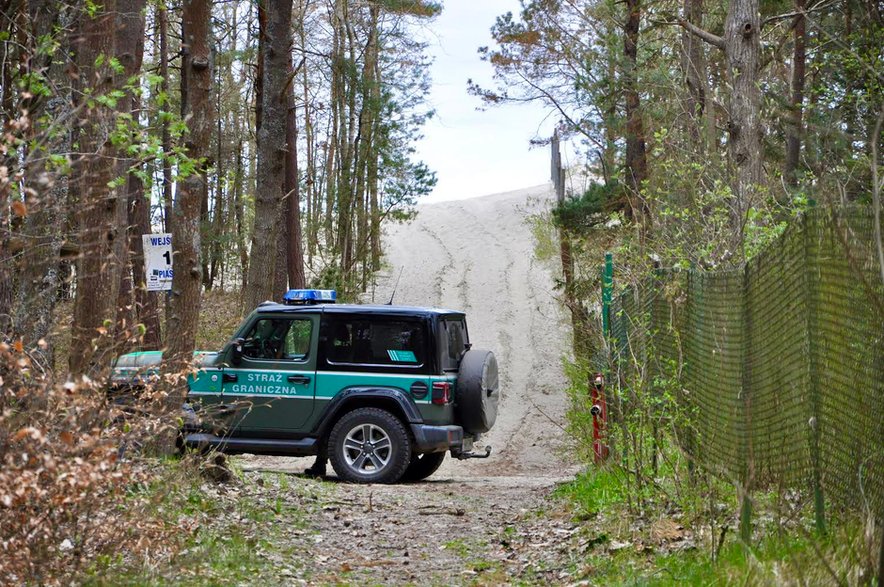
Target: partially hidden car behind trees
[[384, 391]]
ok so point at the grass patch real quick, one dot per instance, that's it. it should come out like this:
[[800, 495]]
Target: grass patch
[[593, 491], [623, 549], [458, 546], [240, 533]]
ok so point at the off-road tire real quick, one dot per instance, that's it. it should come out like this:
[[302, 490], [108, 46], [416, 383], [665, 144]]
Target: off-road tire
[[478, 391], [348, 441], [422, 466]]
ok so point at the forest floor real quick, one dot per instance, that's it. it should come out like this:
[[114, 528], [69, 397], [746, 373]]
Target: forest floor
[[487, 521]]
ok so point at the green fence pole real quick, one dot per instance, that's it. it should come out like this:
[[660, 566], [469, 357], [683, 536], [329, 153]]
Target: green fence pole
[[607, 294], [746, 517], [811, 287]]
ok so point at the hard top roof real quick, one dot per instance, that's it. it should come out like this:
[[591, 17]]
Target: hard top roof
[[379, 309]]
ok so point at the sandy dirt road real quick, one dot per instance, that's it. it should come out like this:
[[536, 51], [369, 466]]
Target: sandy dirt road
[[477, 256], [474, 521]]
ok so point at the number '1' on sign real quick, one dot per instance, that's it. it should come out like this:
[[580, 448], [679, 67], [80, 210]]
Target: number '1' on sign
[[157, 261]]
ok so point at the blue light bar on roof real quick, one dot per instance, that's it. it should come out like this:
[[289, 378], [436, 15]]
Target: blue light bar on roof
[[310, 296]]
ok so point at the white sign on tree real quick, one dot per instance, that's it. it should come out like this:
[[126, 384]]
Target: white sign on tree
[[157, 261]]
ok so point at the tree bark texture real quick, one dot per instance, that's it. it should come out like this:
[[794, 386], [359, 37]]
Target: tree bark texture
[[46, 192], [694, 67], [636, 158], [366, 148], [184, 305], [294, 248], [742, 46], [147, 307], [129, 51], [166, 136], [270, 172], [794, 128], [98, 269]]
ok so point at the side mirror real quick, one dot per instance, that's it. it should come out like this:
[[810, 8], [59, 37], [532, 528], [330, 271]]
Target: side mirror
[[236, 351]]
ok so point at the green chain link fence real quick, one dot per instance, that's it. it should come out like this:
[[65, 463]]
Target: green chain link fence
[[780, 363]]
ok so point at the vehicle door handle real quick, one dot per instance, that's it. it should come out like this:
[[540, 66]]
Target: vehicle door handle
[[303, 379], [229, 378]]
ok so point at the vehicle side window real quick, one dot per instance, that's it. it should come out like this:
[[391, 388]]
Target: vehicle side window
[[275, 339], [454, 342], [297, 341], [374, 341]]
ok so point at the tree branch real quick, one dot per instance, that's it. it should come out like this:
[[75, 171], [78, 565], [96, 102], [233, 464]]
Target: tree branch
[[705, 35], [821, 5]]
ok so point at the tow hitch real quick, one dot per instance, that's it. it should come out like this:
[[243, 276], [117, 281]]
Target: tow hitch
[[472, 455]]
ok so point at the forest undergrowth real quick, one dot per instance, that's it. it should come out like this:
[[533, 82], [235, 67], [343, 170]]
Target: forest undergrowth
[[664, 520], [82, 488]]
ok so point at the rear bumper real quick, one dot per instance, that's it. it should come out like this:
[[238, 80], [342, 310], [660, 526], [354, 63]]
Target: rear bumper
[[436, 438]]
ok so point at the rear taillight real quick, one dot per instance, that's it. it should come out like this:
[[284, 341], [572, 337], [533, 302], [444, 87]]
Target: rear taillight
[[441, 393]]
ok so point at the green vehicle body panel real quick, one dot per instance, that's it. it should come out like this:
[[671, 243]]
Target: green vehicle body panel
[[145, 364], [286, 385], [297, 406]]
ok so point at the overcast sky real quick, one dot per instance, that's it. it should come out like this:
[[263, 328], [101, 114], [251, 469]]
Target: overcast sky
[[476, 153]]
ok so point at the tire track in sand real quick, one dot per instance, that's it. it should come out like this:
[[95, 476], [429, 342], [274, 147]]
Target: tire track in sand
[[477, 256]]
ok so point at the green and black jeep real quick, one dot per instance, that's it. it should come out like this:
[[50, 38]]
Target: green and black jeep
[[384, 391]]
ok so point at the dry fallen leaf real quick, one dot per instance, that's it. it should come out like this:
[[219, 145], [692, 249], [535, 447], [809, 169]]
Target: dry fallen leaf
[[666, 530], [19, 208]]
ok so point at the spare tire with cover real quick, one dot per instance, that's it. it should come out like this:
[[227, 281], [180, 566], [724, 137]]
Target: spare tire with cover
[[478, 391]]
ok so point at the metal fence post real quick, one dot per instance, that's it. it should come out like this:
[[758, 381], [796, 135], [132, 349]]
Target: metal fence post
[[607, 294], [819, 502], [748, 453]]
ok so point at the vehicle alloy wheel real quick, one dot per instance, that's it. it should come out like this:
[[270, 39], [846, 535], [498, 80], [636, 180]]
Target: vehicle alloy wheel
[[367, 448], [369, 445]]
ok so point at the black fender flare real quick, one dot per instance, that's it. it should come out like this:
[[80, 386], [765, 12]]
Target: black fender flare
[[378, 395]]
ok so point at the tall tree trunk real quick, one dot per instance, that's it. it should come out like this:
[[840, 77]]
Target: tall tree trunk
[[694, 68], [336, 90], [239, 214], [742, 46], [166, 136], [46, 188], [636, 159], [366, 144], [129, 51], [218, 212], [280, 277], [184, 305], [312, 201], [294, 248], [7, 111], [98, 270], [147, 306], [271, 154], [794, 128]]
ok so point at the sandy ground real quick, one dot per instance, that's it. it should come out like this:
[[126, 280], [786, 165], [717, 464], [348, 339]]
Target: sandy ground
[[477, 256], [474, 255]]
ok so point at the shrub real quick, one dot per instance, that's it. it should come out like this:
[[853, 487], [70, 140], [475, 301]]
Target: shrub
[[66, 478]]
